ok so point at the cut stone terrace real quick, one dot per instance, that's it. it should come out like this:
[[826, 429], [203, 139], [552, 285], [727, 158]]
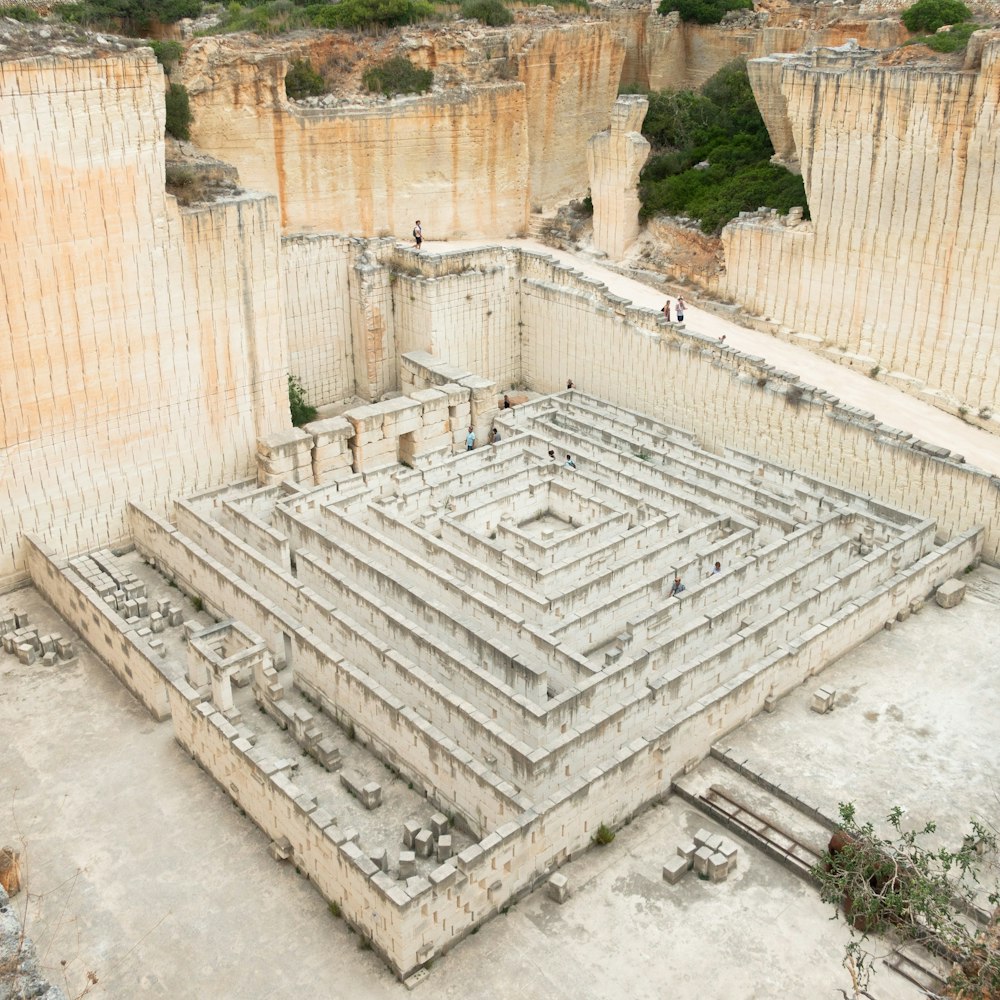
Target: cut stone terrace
[[513, 616]]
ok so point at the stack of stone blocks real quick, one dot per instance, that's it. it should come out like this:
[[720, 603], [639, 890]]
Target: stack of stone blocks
[[23, 640], [711, 855]]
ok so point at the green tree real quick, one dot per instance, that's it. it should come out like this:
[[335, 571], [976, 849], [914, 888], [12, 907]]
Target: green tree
[[179, 115], [703, 11], [929, 15], [896, 889]]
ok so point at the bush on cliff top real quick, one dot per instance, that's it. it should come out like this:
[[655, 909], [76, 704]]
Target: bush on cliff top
[[703, 11], [722, 127], [947, 41], [929, 15], [302, 80], [132, 17], [369, 13], [397, 76], [21, 13], [491, 12]]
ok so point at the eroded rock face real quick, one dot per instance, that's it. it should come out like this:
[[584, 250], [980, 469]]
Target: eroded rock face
[[898, 267], [503, 131]]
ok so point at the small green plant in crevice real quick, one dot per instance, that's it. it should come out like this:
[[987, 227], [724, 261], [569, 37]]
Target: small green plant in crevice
[[197, 603], [397, 76], [874, 371], [301, 411], [604, 835], [364, 944], [335, 909], [302, 80], [351, 734], [643, 455]]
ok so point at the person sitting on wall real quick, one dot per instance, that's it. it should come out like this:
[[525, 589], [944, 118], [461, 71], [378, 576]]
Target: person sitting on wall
[[506, 402], [677, 588], [716, 569], [494, 437], [470, 440], [570, 464], [552, 454]]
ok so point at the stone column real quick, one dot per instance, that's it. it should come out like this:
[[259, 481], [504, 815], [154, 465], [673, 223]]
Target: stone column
[[614, 159]]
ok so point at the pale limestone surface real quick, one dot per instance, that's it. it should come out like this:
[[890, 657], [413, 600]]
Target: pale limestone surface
[[897, 271], [614, 159]]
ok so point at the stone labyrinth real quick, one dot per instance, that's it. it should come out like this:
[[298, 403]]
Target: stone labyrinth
[[497, 629]]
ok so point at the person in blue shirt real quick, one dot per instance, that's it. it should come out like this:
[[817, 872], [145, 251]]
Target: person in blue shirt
[[677, 588], [470, 440], [570, 464]]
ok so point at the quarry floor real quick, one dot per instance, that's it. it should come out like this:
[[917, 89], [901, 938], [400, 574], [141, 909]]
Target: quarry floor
[[139, 868]]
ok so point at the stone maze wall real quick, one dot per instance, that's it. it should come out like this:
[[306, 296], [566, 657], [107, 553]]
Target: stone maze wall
[[497, 628]]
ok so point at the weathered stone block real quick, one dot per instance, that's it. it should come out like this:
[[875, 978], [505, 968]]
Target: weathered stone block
[[675, 869], [949, 593], [407, 864], [822, 700], [558, 887], [423, 843]]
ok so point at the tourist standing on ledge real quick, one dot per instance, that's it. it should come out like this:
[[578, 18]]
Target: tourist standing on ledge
[[666, 309], [494, 437], [680, 309], [418, 235], [506, 402], [569, 383], [570, 464], [470, 440], [677, 587]]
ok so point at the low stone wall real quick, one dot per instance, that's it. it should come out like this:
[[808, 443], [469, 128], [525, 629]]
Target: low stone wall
[[117, 643]]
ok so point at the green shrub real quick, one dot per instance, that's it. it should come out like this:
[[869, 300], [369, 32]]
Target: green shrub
[[132, 17], [366, 13], [604, 835], [302, 80], [397, 76], [301, 411], [703, 11], [491, 12], [929, 15], [947, 41], [272, 18], [179, 116], [21, 13], [167, 53]]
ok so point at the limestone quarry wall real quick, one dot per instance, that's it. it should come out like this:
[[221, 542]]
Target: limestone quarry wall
[[141, 347], [315, 282], [663, 53], [571, 76], [899, 267], [468, 312], [457, 161]]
